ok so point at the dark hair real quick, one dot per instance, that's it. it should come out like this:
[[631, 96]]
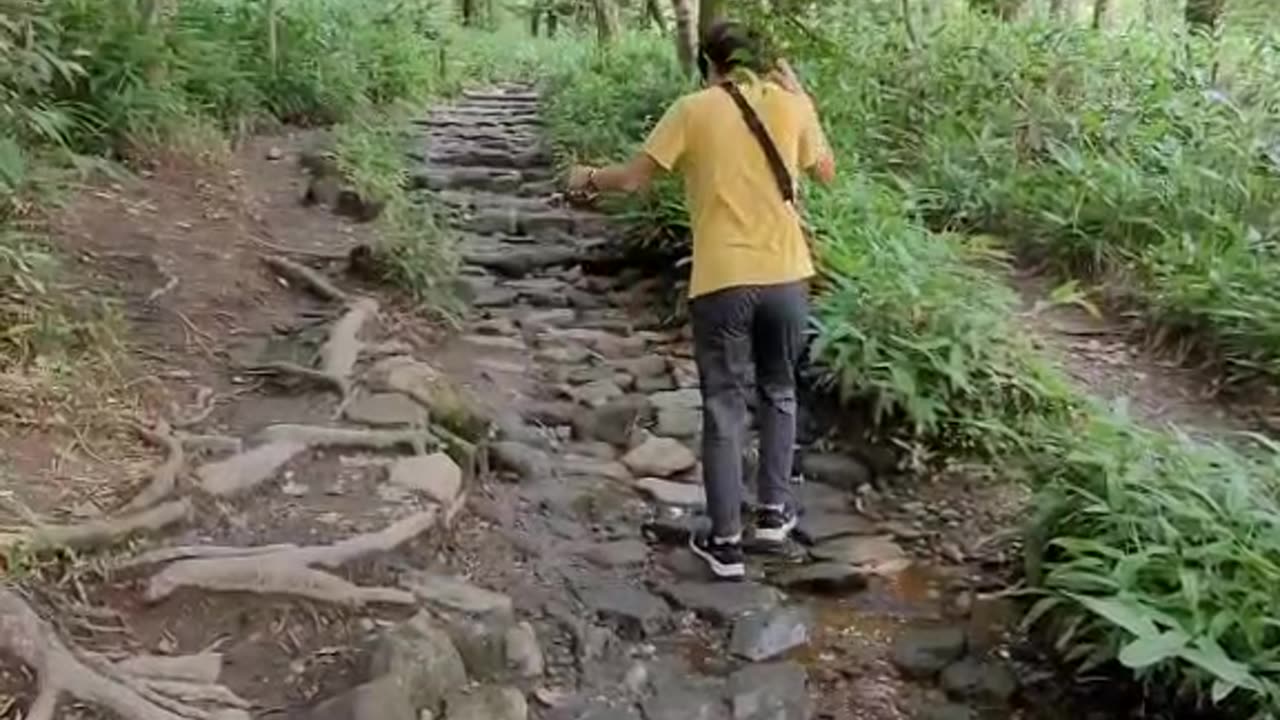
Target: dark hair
[[728, 45]]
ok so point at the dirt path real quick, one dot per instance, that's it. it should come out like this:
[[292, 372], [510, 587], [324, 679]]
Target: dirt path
[[493, 526]]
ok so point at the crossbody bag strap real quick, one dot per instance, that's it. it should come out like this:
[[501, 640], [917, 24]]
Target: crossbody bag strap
[[779, 168]]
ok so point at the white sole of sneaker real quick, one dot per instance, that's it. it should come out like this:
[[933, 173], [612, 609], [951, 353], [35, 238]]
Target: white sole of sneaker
[[724, 571], [776, 535]]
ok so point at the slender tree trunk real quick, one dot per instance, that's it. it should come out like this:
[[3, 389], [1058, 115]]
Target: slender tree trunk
[[468, 12], [553, 22], [1057, 8], [710, 11], [1100, 8], [686, 32], [273, 36], [606, 21], [535, 21], [653, 11]]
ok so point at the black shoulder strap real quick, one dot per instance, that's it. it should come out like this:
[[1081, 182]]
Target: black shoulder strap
[[779, 168]]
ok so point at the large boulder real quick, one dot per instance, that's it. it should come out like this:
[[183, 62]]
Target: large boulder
[[421, 659]]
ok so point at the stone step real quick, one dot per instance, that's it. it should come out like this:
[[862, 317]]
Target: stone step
[[480, 121], [483, 135], [479, 199], [490, 96], [477, 178], [517, 261], [489, 157]]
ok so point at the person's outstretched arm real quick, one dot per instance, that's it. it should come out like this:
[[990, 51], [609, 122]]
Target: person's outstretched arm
[[661, 152]]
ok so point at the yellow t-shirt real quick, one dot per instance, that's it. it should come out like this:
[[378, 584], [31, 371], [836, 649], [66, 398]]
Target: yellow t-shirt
[[743, 231]]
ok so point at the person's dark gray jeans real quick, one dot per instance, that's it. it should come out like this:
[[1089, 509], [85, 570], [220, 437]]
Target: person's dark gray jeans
[[734, 329]]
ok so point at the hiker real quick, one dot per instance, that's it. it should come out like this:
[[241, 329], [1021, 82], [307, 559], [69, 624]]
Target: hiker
[[738, 144]]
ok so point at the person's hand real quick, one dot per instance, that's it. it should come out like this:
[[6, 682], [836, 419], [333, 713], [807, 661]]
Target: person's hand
[[581, 179], [786, 77]]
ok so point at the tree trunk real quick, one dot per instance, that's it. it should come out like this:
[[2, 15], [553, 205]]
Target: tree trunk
[[468, 12], [711, 11], [606, 21], [553, 22], [1203, 14], [686, 32], [653, 12], [1057, 8], [1100, 8], [535, 21]]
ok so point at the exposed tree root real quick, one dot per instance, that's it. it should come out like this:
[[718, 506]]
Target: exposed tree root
[[97, 533], [188, 552], [314, 436], [313, 280], [248, 469], [93, 680], [340, 385], [288, 571], [165, 476], [202, 668], [341, 350], [210, 443]]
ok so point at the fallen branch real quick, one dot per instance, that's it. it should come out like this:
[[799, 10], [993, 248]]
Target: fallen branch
[[206, 403], [338, 384], [341, 350], [165, 475], [91, 680], [313, 280], [210, 443], [288, 571]]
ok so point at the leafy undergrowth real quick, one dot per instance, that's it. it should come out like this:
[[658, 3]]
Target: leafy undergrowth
[[1149, 551]]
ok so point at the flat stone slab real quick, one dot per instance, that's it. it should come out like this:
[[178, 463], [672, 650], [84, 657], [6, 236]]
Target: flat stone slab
[[636, 613], [834, 469], [874, 553], [454, 593], [678, 422], [772, 691], [618, 553], [989, 681], [381, 699], [719, 602], [823, 578], [667, 492], [768, 634], [819, 526], [421, 658], [487, 703], [690, 398], [386, 410]]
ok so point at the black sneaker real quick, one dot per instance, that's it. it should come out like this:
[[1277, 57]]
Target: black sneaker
[[773, 525], [724, 558]]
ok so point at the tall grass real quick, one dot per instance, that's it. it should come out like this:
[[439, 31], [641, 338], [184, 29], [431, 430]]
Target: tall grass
[[1148, 551]]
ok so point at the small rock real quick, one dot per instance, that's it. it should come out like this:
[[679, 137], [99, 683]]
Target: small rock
[[923, 652], [988, 681], [487, 703], [589, 374], [593, 449], [524, 654], [274, 153], [660, 457], [564, 355], [454, 594], [551, 317], [382, 699], [437, 476], [612, 422], [635, 612], [528, 462], [718, 603], [596, 393], [421, 659], [773, 691], [690, 398], [840, 471], [824, 577], [494, 342], [293, 488], [386, 410], [482, 642], [679, 422], [642, 367], [551, 414], [764, 635], [679, 494], [873, 553], [654, 383], [619, 553], [689, 699], [636, 678]]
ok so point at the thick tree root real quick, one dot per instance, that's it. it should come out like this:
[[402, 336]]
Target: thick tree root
[[245, 471], [165, 476], [313, 280], [340, 385], [91, 679], [288, 571], [102, 532], [316, 436], [340, 352]]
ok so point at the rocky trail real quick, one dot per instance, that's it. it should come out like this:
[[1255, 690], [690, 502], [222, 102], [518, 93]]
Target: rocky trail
[[361, 522]]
